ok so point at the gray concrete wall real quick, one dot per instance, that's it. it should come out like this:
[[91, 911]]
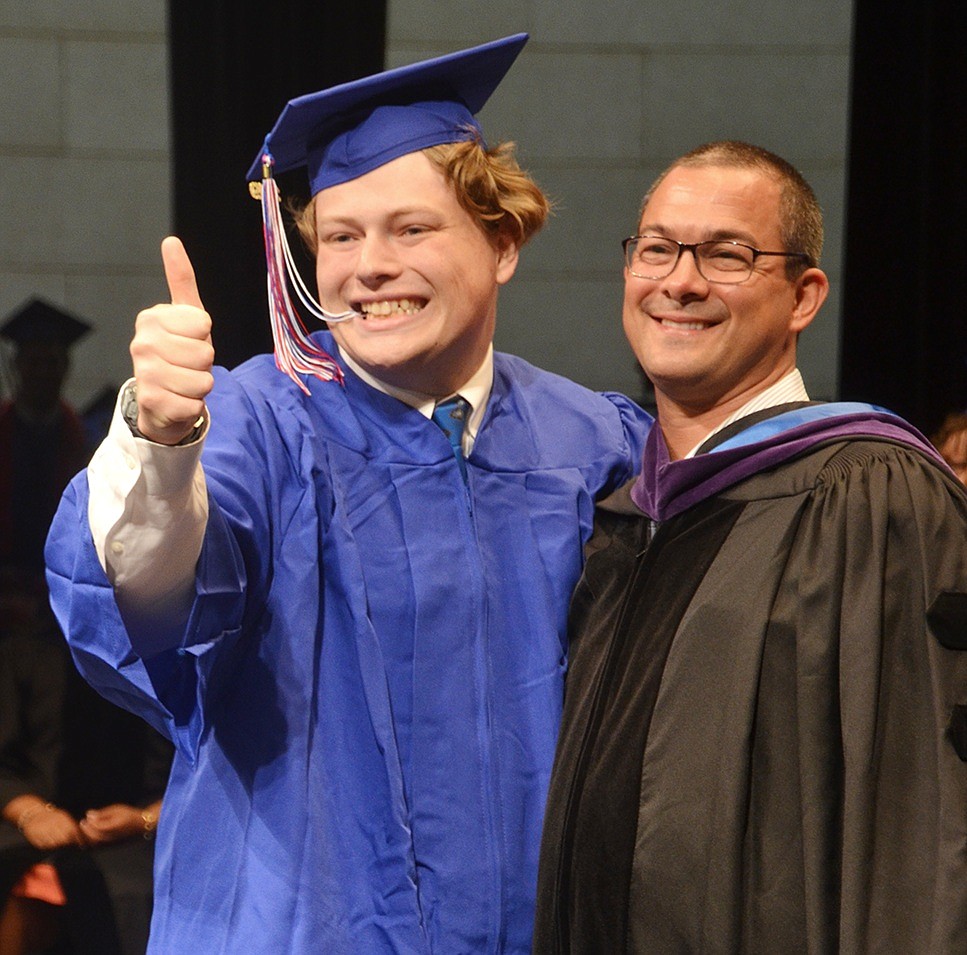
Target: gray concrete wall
[[86, 180], [603, 96]]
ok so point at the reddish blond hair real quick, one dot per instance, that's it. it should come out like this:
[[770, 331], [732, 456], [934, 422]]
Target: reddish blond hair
[[489, 184]]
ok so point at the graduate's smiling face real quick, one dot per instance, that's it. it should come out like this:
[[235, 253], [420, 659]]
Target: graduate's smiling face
[[397, 246], [703, 344]]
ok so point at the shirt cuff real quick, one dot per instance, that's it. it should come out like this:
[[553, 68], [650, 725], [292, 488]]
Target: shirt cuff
[[132, 474]]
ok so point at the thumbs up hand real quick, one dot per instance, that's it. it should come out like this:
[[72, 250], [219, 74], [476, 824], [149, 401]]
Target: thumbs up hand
[[172, 354]]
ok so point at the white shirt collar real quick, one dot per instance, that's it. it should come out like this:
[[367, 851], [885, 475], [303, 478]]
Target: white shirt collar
[[475, 391], [788, 388]]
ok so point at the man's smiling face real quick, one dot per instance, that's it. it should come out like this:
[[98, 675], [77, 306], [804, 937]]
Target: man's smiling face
[[704, 344]]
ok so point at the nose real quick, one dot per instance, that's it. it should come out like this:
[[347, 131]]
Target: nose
[[378, 260], [685, 282]]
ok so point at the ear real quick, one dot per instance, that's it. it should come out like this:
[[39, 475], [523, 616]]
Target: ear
[[811, 290], [508, 254]]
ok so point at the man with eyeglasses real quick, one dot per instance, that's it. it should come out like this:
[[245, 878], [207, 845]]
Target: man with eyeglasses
[[765, 729]]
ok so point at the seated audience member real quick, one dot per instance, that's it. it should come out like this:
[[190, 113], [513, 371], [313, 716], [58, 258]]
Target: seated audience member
[[951, 441], [80, 788]]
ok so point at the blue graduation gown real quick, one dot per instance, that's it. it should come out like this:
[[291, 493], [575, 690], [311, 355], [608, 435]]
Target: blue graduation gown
[[366, 696]]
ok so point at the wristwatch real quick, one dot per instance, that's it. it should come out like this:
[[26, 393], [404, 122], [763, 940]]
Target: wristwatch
[[129, 411]]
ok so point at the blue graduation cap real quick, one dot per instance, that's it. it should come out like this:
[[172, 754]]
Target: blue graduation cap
[[346, 131]]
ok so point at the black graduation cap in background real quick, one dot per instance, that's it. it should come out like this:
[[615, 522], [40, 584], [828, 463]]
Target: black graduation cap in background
[[40, 320]]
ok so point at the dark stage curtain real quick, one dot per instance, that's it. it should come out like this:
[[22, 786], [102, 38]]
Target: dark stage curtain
[[904, 341], [233, 67]]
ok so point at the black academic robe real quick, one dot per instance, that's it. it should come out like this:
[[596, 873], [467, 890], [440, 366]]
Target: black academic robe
[[763, 739], [36, 462]]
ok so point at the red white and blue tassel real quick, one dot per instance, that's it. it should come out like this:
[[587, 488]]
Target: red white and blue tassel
[[295, 352]]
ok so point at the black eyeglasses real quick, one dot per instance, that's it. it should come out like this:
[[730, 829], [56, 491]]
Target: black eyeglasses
[[717, 260]]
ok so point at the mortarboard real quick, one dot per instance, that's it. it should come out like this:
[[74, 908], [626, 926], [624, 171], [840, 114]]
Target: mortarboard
[[39, 320], [346, 131]]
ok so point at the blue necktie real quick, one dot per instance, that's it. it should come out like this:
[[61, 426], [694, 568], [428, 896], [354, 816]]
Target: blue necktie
[[451, 416]]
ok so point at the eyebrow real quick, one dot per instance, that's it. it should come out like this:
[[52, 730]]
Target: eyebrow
[[734, 235], [402, 213]]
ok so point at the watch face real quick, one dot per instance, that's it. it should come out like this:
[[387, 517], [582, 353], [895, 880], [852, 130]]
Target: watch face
[[129, 404], [129, 411]]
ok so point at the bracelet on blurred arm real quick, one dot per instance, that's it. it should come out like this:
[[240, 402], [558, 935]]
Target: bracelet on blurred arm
[[150, 820]]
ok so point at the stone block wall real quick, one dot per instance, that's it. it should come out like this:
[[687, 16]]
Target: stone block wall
[[84, 146]]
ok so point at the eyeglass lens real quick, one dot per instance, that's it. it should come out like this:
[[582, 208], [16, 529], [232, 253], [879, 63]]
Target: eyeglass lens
[[718, 260]]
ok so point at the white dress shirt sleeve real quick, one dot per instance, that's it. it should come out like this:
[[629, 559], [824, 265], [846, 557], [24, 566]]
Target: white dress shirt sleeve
[[147, 511]]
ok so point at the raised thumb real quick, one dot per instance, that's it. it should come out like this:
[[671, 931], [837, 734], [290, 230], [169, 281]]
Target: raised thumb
[[179, 273]]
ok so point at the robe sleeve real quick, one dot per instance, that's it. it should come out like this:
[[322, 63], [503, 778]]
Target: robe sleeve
[[880, 560], [626, 455], [159, 671]]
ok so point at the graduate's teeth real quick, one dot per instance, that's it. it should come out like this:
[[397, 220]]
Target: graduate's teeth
[[402, 306]]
